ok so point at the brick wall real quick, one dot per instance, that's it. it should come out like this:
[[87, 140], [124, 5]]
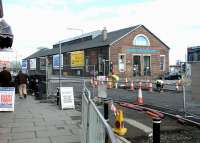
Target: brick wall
[[125, 43]]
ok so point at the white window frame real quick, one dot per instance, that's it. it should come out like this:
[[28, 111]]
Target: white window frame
[[134, 40], [163, 63], [33, 64], [119, 55], [42, 68], [147, 55]]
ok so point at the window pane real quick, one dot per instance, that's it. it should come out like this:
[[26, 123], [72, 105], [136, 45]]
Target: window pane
[[147, 65], [142, 41], [162, 61]]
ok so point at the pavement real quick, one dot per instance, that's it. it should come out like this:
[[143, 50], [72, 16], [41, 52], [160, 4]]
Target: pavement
[[35, 122]]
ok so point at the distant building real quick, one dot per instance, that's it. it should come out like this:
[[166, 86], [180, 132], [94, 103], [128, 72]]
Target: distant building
[[193, 58], [128, 52], [193, 54]]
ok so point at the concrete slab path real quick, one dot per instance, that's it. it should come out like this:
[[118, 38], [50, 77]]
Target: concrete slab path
[[35, 122]]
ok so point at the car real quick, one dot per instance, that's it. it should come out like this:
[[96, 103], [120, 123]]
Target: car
[[173, 77]]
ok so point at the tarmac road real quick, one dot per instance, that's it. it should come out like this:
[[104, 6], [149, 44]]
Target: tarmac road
[[171, 130]]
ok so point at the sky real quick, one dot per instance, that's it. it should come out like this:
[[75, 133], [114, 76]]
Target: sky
[[42, 23]]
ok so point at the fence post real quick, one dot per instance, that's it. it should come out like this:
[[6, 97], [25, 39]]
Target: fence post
[[156, 130], [88, 119]]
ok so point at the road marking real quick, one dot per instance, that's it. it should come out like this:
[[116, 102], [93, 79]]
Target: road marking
[[139, 125]]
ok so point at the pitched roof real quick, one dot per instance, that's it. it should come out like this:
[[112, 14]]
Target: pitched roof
[[96, 42], [41, 53]]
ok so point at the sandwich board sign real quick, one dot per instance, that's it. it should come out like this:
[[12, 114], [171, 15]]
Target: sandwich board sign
[[7, 98], [67, 97]]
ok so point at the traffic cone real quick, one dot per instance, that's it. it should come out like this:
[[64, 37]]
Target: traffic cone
[[140, 98], [119, 123], [147, 85], [150, 87], [92, 82], [132, 86], [177, 86], [112, 107], [116, 84], [95, 83], [126, 82], [109, 84]]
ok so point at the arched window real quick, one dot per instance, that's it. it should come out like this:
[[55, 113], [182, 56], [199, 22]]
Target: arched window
[[141, 40]]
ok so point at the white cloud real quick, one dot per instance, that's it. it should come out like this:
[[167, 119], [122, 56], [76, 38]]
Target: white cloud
[[45, 22]]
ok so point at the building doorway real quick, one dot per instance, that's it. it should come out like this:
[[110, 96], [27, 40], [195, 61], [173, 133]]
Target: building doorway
[[136, 65], [147, 66]]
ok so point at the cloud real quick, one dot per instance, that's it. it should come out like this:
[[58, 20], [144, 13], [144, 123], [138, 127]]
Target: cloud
[[44, 22]]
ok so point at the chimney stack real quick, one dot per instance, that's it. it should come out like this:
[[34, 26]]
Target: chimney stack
[[104, 34]]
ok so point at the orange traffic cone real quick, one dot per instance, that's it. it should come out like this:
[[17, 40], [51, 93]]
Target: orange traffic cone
[[177, 86], [92, 82], [140, 98], [95, 83], [132, 86], [150, 87], [109, 84], [147, 85], [126, 82]]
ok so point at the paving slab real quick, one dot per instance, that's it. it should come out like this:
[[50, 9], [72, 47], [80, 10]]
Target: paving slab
[[40, 140], [35, 122]]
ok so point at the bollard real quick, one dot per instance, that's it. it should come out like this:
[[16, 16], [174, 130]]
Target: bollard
[[106, 113], [156, 130], [106, 110], [58, 96]]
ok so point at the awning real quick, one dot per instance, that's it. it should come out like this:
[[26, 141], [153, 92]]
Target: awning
[[6, 36]]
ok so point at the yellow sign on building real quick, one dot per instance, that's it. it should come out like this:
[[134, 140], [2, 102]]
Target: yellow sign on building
[[77, 59]]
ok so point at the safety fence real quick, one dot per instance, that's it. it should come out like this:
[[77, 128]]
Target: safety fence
[[54, 82], [95, 127]]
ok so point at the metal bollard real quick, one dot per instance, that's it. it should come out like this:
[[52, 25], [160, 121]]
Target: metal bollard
[[156, 130], [106, 116], [106, 110], [58, 96]]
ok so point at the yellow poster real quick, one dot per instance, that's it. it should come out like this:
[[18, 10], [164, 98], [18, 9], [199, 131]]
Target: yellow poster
[[77, 59]]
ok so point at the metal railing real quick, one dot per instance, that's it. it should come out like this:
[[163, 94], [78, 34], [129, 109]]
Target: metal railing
[[95, 128]]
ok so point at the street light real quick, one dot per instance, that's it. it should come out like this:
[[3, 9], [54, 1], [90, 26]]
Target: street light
[[78, 29], [60, 68]]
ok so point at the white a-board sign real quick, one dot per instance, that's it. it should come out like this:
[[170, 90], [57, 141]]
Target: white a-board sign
[[7, 98], [67, 97]]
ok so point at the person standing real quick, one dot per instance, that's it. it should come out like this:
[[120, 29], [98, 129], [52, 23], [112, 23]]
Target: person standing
[[22, 80], [5, 78]]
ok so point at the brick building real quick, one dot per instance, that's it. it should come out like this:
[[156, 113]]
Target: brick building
[[128, 52]]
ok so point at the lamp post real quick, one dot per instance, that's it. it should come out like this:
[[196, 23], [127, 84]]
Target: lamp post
[[78, 29], [60, 46]]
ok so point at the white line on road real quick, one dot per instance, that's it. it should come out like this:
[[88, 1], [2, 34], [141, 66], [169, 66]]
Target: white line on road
[[139, 125]]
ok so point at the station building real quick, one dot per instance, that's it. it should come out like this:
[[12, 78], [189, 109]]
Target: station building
[[129, 52]]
